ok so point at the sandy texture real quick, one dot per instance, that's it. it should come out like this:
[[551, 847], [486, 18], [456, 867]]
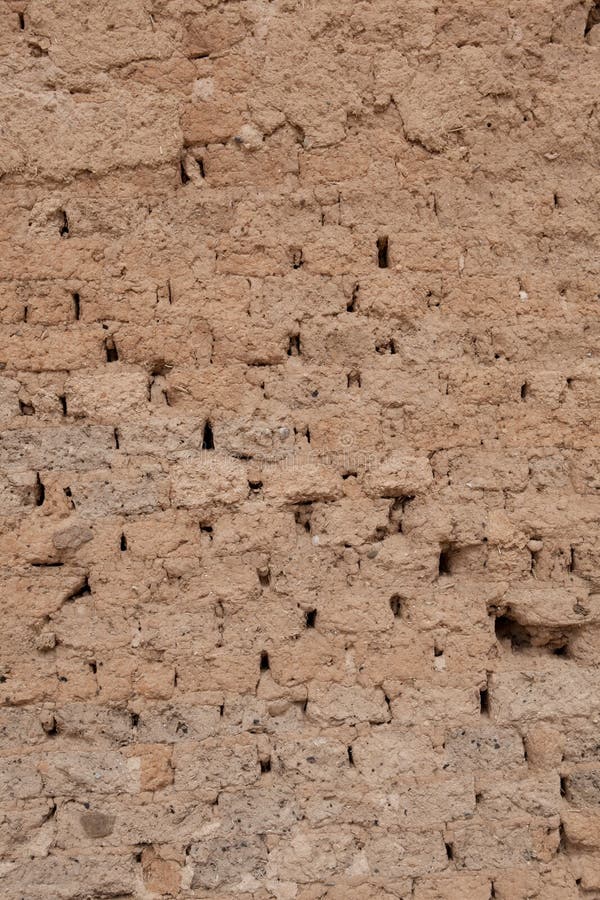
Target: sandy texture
[[300, 475]]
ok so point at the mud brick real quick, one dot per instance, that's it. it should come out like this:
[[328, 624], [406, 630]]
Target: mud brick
[[299, 450]]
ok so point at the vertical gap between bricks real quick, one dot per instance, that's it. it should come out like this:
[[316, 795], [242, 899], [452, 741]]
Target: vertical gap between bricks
[[383, 252]]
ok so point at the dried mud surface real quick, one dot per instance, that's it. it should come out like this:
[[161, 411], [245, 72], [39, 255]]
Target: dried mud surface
[[299, 491]]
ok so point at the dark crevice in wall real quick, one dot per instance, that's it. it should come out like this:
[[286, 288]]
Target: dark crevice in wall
[[208, 441], [110, 348], [64, 224], [39, 491], [396, 606], [383, 252], [522, 637], [310, 618], [593, 18]]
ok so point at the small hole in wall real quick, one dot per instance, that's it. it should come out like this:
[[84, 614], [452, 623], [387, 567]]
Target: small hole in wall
[[302, 517], [592, 19], [383, 252], [396, 606], [116, 438], [386, 347], [123, 543], [37, 51], [437, 651], [63, 403], [311, 618], [264, 577], [76, 306], [207, 530], [83, 590], [183, 175], [524, 390], [484, 702], [563, 786], [22, 21], [112, 354], [208, 442], [64, 224], [505, 629], [160, 367], [264, 661], [571, 562], [255, 486], [265, 765], [52, 811], [297, 259], [562, 839], [396, 512], [94, 667], [444, 566], [450, 851], [351, 305], [39, 491], [51, 727], [200, 162], [520, 638], [26, 409], [353, 380], [294, 345], [350, 756]]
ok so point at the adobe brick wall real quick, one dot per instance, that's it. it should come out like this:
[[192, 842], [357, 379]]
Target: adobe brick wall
[[300, 451]]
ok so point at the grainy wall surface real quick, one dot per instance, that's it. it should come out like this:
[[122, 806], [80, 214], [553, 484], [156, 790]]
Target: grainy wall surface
[[300, 469]]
